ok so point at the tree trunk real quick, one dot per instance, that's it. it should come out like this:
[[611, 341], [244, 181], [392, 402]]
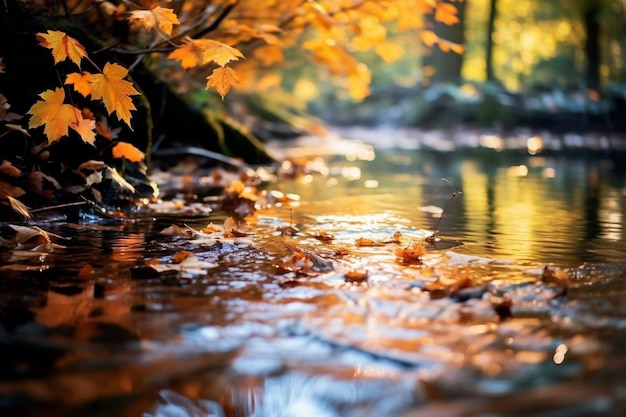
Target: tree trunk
[[493, 11], [592, 46]]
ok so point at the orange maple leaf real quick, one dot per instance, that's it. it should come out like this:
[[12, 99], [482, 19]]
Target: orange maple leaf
[[53, 114], [189, 54], [114, 91], [63, 46], [84, 127], [161, 18], [57, 117], [222, 79], [80, 81], [218, 52], [127, 151]]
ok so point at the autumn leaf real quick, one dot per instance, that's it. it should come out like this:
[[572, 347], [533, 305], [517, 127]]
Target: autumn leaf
[[84, 127], [63, 46], [161, 18], [57, 117], [222, 79], [18, 207], [429, 37], [114, 91], [218, 52], [446, 14], [8, 169], [53, 114], [5, 115], [80, 81], [196, 52], [127, 151], [189, 54]]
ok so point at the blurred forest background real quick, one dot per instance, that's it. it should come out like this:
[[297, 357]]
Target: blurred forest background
[[556, 65]]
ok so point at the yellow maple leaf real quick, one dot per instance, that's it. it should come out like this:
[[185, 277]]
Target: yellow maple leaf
[[63, 46], [53, 114], [222, 79], [161, 18], [127, 151], [218, 52], [57, 117], [80, 81], [114, 91], [189, 54]]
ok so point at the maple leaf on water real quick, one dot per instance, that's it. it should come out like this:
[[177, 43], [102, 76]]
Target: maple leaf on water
[[63, 46], [164, 19], [127, 151], [80, 81], [222, 79], [114, 91]]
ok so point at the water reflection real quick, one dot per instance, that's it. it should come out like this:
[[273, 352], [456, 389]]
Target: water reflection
[[90, 327], [525, 208]]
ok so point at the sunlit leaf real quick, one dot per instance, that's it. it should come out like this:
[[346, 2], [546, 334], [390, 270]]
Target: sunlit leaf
[[127, 151], [81, 82], [222, 79], [218, 52], [161, 18], [53, 114], [63, 46], [114, 91], [18, 207]]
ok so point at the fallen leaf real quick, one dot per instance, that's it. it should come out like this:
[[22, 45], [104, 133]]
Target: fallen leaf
[[10, 170], [18, 207], [127, 151]]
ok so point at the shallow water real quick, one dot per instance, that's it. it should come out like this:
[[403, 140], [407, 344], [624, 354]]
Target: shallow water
[[89, 329]]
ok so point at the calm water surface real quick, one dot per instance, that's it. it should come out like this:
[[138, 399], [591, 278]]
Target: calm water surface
[[524, 208], [91, 330]]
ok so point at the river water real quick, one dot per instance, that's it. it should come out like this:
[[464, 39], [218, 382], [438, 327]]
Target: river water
[[514, 309]]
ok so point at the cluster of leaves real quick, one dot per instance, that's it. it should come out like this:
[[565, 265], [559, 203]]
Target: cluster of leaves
[[184, 40]]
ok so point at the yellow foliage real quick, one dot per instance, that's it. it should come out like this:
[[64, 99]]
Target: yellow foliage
[[63, 46], [57, 117], [114, 91], [158, 17]]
